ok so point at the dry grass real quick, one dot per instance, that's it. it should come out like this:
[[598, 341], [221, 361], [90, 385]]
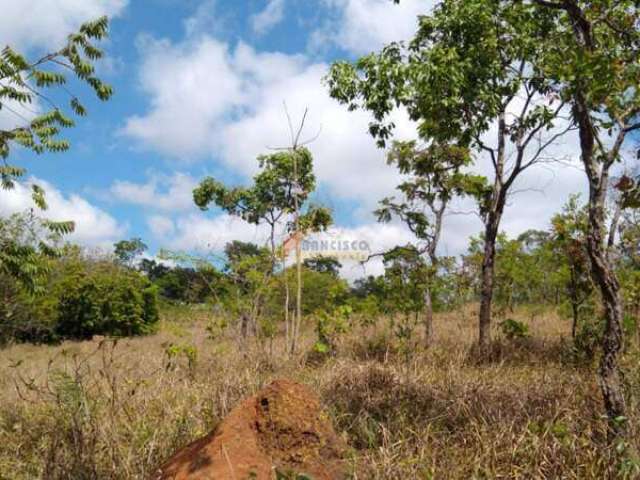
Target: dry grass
[[104, 410]]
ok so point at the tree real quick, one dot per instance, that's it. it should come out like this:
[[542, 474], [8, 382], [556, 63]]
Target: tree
[[279, 191], [249, 267], [405, 281], [24, 82], [569, 237], [466, 78], [435, 179], [272, 196], [126, 251], [591, 57], [328, 265]]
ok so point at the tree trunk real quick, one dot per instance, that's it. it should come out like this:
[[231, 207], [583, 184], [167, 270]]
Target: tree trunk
[[574, 324], [428, 318], [612, 341], [488, 269], [244, 325]]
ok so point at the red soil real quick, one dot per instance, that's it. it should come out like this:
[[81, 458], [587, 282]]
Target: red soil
[[282, 429]]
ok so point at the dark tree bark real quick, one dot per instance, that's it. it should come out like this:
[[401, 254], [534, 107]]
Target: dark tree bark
[[602, 272], [492, 226]]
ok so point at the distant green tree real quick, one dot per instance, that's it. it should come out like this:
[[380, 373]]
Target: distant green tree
[[271, 198], [569, 230], [405, 281], [279, 191], [249, 269], [126, 251], [328, 265]]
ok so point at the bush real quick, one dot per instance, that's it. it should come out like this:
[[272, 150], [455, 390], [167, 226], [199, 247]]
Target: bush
[[82, 297], [514, 330], [18, 317], [588, 339], [104, 299]]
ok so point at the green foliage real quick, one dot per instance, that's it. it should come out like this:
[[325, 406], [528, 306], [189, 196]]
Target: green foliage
[[27, 244], [22, 82], [81, 297], [435, 178], [454, 76], [272, 194], [174, 352], [18, 74], [405, 279], [103, 299], [322, 264], [322, 291], [329, 326], [513, 329], [126, 251]]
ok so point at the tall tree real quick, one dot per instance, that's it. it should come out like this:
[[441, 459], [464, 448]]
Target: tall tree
[[466, 78], [435, 179], [284, 179], [23, 84], [592, 56], [279, 191]]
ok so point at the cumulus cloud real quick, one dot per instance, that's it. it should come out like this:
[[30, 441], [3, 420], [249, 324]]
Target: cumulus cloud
[[94, 226], [211, 101], [203, 234], [268, 18], [240, 113], [364, 26], [160, 192], [45, 24], [160, 226]]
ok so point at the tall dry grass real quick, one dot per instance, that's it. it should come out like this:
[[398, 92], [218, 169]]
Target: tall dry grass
[[105, 409]]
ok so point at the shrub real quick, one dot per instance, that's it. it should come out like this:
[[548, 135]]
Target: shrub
[[104, 299], [514, 330], [588, 339], [18, 318]]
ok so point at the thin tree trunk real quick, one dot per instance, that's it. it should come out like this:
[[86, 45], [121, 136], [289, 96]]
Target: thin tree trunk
[[428, 318], [488, 270], [574, 324], [298, 317]]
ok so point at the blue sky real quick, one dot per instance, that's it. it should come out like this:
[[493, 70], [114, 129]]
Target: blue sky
[[199, 88]]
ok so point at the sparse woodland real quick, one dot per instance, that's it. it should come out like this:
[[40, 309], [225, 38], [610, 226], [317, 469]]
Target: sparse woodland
[[519, 358]]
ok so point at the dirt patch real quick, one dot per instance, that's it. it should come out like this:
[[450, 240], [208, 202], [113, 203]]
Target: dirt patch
[[281, 429]]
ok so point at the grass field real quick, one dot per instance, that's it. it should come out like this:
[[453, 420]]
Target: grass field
[[105, 409]]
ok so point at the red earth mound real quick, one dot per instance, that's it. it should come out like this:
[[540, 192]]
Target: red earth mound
[[280, 430]]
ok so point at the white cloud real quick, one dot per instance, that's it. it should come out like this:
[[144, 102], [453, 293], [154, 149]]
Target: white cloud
[[364, 26], [192, 88], [197, 232], [160, 192], [211, 101], [160, 226], [46, 23], [268, 18], [240, 114], [94, 226]]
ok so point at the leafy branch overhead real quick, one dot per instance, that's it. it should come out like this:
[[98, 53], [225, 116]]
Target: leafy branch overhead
[[24, 82], [29, 90], [436, 177]]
